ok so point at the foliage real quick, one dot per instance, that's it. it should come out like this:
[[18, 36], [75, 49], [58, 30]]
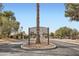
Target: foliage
[[72, 11], [63, 32], [8, 23], [1, 6], [74, 34], [66, 33], [52, 35]]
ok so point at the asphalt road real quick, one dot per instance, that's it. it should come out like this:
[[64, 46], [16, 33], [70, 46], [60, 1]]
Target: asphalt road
[[63, 49]]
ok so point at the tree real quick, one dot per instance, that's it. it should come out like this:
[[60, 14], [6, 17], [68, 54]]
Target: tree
[[38, 25], [9, 23], [63, 32], [74, 34], [52, 34], [1, 7], [72, 11]]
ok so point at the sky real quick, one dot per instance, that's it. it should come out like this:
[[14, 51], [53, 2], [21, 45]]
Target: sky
[[51, 15]]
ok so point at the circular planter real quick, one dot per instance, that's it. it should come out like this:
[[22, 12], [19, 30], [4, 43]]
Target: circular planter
[[38, 46]]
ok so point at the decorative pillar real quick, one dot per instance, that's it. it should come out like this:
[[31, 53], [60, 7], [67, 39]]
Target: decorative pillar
[[48, 35]]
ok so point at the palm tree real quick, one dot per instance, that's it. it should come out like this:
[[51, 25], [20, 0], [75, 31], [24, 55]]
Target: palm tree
[[38, 25]]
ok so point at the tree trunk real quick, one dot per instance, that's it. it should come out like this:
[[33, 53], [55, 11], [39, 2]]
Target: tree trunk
[[38, 26]]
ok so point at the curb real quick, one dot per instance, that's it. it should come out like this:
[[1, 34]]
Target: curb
[[26, 48]]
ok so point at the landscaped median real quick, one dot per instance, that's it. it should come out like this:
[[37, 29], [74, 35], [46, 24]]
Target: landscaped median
[[42, 46], [68, 41]]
